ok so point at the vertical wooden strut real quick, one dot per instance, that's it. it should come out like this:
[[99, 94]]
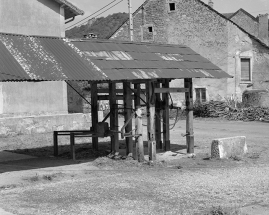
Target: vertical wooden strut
[[189, 115], [166, 131], [114, 119], [150, 116], [127, 98], [94, 112], [139, 146], [158, 127]]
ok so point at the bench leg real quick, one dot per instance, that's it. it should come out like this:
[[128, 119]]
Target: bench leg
[[55, 143], [72, 146]]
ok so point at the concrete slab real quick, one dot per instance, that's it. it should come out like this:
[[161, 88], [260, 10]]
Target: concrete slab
[[9, 156], [228, 147]]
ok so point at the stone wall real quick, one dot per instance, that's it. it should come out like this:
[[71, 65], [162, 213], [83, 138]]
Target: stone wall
[[43, 124], [197, 26]]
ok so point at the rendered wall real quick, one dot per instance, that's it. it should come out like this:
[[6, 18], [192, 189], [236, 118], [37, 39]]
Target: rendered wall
[[195, 25], [32, 17]]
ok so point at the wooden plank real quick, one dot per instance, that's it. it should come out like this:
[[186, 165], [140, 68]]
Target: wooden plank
[[114, 119], [189, 116], [137, 88], [106, 97], [127, 98], [150, 119], [158, 128], [166, 131], [139, 138], [117, 90], [55, 143], [72, 146], [94, 112], [171, 90]]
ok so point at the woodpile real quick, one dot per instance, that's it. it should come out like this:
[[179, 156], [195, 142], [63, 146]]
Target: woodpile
[[223, 109]]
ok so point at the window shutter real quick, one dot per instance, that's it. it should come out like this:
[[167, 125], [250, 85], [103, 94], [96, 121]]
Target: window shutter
[[245, 69]]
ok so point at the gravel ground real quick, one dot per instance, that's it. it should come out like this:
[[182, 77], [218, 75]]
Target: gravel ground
[[180, 186]]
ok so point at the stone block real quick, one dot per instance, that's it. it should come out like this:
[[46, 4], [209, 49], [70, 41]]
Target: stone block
[[228, 147]]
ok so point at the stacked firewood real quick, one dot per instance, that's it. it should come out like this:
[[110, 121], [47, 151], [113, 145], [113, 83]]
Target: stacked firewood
[[223, 109]]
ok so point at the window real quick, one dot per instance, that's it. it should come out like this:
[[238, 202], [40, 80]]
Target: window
[[172, 6], [150, 29], [200, 94], [245, 69]]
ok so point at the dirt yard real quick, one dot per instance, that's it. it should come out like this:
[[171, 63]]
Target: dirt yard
[[95, 184]]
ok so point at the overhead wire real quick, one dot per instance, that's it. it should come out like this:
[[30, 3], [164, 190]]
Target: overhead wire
[[68, 28]]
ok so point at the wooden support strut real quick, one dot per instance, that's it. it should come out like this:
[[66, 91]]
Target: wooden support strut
[[166, 129], [114, 119], [158, 127], [150, 117], [94, 112], [127, 98], [139, 135], [189, 116]]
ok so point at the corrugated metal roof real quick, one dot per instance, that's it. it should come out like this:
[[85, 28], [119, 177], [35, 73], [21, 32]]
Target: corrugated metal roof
[[121, 60], [28, 58]]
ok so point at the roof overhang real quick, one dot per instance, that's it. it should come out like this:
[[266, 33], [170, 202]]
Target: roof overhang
[[70, 9]]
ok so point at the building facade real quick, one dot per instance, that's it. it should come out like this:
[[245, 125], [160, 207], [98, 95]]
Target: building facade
[[34, 17], [212, 35]]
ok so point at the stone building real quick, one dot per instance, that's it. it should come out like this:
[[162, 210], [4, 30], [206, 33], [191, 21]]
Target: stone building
[[225, 42], [35, 17]]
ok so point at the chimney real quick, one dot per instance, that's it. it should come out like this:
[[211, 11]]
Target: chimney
[[211, 3], [263, 28]]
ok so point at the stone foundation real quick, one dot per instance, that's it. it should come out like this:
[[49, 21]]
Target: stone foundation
[[42, 124]]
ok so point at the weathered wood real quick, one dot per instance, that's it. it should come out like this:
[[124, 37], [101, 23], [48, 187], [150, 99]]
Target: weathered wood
[[72, 146], [139, 135], [55, 143], [150, 119], [171, 90], [158, 128], [114, 119], [118, 90], [166, 131], [94, 112], [189, 115], [127, 98], [137, 89]]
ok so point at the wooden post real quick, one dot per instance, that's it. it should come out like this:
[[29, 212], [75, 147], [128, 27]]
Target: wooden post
[[150, 116], [127, 98], [55, 143], [158, 127], [114, 119], [94, 112], [166, 127], [139, 138], [189, 116], [137, 87], [72, 145]]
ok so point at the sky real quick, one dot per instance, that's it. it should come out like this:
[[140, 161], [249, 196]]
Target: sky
[[254, 7]]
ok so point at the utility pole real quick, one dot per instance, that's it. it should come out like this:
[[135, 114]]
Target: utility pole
[[131, 25]]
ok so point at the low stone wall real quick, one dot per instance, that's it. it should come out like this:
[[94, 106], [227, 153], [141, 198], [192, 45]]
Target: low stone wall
[[42, 124]]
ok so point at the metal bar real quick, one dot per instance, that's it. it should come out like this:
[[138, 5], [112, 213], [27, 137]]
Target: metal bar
[[171, 90], [106, 117], [77, 92]]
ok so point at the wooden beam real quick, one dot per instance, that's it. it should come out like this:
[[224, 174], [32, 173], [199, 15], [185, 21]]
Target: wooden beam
[[151, 115], [166, 127], [158, 128], [106, 97], [139, 135], [117, 90], [55, 143], [137, 88], [189, 115], [171, 90], [114, 119], [94, 113], [127, 98]]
